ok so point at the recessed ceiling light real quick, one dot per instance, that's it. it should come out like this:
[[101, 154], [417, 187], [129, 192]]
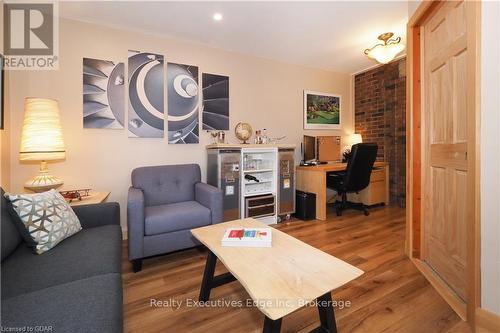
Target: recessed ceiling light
[[217, 16]]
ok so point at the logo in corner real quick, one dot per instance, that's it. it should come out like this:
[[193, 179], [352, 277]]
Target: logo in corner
[[31, 35]]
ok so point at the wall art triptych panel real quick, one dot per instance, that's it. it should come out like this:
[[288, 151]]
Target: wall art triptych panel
[[104, 98], [215, 109], [183, 98], [146, 110], [103, 94]]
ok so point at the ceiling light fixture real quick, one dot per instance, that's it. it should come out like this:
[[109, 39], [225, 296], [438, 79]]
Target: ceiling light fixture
[[217, 17], [384, 53]]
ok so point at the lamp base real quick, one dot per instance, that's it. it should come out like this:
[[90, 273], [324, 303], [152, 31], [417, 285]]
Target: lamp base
[[44, 181]]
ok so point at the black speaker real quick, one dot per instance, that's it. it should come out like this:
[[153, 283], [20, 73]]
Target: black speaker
[[305, 205]]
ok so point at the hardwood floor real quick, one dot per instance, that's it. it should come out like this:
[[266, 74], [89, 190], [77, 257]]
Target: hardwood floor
[[392, 296]]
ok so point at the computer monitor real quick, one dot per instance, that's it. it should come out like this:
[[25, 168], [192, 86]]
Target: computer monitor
[[309, 148]]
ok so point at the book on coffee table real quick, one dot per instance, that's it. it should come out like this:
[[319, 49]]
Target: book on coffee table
[[247, 237]]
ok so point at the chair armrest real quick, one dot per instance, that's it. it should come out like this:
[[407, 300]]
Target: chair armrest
[[96, 215], [210, 197], [135, 223]]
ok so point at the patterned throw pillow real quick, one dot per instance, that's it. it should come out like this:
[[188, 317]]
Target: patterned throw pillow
[[46, 216]]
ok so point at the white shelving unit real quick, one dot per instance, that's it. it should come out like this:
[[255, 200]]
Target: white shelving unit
[[261, 163]]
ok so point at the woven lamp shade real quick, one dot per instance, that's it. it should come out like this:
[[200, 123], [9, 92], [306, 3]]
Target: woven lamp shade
[[42, 138]]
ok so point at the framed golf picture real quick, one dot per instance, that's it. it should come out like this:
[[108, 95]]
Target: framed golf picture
[[321, 110]]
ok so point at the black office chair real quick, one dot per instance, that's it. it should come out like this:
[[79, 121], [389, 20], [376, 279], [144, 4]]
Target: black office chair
[[355, 178]]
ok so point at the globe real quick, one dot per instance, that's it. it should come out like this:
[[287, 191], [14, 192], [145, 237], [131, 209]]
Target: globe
[[243, 131]]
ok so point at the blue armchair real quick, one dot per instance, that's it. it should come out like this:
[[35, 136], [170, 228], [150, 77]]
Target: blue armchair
[[164, 203]]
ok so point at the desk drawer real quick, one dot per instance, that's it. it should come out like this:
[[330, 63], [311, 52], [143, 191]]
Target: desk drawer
[[377, 175], [376, 192]]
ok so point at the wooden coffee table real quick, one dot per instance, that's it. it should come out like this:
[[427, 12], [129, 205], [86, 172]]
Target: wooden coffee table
[[280, 279]]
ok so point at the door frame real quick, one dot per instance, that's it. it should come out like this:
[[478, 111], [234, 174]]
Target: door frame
[[414, 221]]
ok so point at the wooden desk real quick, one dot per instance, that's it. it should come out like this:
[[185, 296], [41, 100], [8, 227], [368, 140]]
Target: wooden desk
[[92, 198], [313, 179], [279, 279]]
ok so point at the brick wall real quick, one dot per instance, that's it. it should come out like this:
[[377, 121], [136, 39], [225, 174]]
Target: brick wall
[[380, 117]]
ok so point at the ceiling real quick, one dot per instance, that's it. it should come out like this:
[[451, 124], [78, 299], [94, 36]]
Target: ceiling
[[328, 35]]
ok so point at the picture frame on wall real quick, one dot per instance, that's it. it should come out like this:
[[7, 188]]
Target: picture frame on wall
[[183, 106], [215, 107], [2, 88], [103, 94], [322, 110], [145, 95]]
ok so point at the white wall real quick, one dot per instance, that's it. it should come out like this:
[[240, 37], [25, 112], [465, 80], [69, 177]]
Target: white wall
[[490, 156], [412, 7]]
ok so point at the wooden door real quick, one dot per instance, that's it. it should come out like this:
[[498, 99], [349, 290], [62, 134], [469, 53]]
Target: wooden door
[[446, 139]]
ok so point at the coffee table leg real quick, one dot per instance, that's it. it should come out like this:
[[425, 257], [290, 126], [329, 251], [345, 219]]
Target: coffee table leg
[[271, 326], [327, 314], [208, 276], [209, 280], [326, 317]]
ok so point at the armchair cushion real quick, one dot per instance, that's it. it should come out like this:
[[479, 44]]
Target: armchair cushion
[[177, 216], [166, 184]]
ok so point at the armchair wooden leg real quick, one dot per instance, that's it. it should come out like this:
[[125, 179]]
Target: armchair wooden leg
[[136, 265]]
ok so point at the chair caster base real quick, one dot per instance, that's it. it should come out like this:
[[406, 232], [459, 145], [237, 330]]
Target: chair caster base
[[340, 206]]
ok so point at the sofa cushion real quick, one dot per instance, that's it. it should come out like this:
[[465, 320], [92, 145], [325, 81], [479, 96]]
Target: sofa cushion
[[166, 184], [46, 216], [10, 236], [177, 216], [89, 305], [88, 253]]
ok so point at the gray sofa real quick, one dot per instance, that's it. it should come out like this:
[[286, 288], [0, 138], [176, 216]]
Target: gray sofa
[[164, 203], [74, 287]]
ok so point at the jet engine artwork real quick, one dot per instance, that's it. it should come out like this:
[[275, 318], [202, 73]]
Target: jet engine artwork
[[183, 100]]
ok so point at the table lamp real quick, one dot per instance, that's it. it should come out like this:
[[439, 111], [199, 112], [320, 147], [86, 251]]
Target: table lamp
[[351, 140], [355, 139], [42, 140]]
